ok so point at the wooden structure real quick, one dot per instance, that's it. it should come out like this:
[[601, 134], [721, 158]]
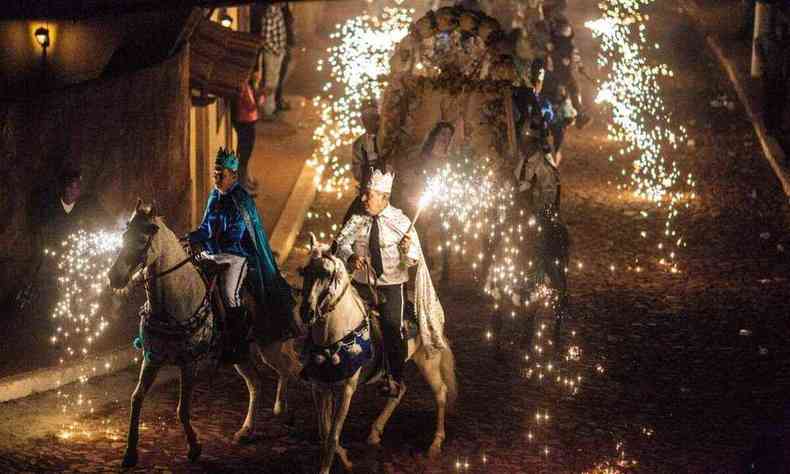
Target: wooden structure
[[221, 59]]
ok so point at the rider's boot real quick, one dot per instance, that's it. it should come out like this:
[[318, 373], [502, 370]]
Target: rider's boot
[[235, 345], [397, 354]]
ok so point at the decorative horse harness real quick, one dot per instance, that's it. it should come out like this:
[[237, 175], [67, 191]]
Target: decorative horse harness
[[167, 338], [341, 359]]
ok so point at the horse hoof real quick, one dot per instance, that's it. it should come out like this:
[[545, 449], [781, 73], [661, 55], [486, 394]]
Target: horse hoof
[[374, 440], [434, 452], [194, 453], [243, 437], [279, 409], [342, 454], [129, 459]]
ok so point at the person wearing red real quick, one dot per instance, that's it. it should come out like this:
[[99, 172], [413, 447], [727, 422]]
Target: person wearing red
[[245, 116]]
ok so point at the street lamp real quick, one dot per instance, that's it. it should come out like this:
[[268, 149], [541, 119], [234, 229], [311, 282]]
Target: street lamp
[[42, 36]]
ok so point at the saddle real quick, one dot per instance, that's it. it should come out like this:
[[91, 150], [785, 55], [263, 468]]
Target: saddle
[[375, 370], [318, 368], [211, 271], [411, 328]]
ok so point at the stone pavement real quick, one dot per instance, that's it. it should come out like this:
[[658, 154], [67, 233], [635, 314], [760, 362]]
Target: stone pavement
[[725, 37]]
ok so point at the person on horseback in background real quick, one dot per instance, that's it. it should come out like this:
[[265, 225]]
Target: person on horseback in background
[[365, 156], [538, 182], [565, 63], [232, 233], [378, 249], [535, 115]]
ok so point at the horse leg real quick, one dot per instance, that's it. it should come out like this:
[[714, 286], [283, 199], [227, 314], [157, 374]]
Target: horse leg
[[377, 428], [339, 418], [431, 369], [250, 375], [185, 409], [318, 404], [324, 401], [147, 376], [282, 358]]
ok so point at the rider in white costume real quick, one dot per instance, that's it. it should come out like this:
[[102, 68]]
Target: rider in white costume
[[378, 247]]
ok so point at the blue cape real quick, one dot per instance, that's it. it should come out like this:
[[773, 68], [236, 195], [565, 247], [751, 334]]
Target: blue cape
[[269, 285]]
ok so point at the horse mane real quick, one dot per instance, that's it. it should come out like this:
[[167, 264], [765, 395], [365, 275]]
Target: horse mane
[[344, 273], [169, 234]]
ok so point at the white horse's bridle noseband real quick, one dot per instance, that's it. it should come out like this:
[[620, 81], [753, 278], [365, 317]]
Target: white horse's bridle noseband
[[322, 310]]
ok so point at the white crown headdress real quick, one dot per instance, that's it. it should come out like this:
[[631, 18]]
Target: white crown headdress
[[381, 182]]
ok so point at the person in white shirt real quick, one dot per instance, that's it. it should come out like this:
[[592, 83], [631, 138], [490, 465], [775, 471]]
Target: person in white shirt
[[378, 248], [365, 156]]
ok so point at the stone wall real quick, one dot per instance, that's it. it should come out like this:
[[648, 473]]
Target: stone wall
[[129, 135]]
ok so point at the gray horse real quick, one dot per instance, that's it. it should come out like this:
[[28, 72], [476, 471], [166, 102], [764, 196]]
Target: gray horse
[[340, 316], [177, 327]]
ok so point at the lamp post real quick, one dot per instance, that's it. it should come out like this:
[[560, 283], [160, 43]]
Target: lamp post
[[225, 19], [42, 37]]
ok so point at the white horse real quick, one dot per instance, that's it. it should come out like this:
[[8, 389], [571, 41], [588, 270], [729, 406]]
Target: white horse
[[339, 312], [178, 327]]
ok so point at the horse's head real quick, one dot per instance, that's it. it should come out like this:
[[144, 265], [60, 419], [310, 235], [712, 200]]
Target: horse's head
[[139, 249], [324, 277]]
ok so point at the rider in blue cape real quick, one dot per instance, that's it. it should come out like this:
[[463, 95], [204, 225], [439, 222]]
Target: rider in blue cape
[[232, 233]]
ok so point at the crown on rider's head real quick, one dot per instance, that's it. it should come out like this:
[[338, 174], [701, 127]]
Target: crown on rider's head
[[381, 182], [226, 158]]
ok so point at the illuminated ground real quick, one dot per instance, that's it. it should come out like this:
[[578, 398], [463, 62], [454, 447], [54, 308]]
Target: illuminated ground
[[685, 371]]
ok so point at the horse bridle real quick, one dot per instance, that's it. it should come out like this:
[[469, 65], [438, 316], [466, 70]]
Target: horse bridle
[[323, 310], [141, 258], [321, 314], [141, 262]]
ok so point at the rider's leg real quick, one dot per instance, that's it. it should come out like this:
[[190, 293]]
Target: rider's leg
[[236, 325], [391, 323]]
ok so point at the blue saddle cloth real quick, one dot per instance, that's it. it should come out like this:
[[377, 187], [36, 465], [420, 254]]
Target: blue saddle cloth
[[340, 360]]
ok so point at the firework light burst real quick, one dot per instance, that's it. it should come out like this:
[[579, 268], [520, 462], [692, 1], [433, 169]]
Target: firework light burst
[[82, 263], [640, 120], [471, 204], [357, 65]]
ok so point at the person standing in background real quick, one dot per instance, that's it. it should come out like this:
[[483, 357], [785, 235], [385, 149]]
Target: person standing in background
[[245, 116], [274, 32], [290, 41]]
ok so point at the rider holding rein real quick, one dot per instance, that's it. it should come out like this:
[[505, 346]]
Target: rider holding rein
[[378, 252], [232, 233]]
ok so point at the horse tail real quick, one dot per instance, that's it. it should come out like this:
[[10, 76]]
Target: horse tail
[[447, 369]]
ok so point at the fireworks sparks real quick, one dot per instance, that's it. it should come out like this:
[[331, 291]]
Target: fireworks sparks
[[640, 120], [82, 263], [471, 206], [357, 64]]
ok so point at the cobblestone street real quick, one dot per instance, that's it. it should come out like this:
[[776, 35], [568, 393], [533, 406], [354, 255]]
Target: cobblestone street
[[679, 372]]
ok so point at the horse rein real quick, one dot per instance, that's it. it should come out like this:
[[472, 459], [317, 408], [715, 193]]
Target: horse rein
[[371, 286], [141, 264], [180, 264], [323, 313]]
